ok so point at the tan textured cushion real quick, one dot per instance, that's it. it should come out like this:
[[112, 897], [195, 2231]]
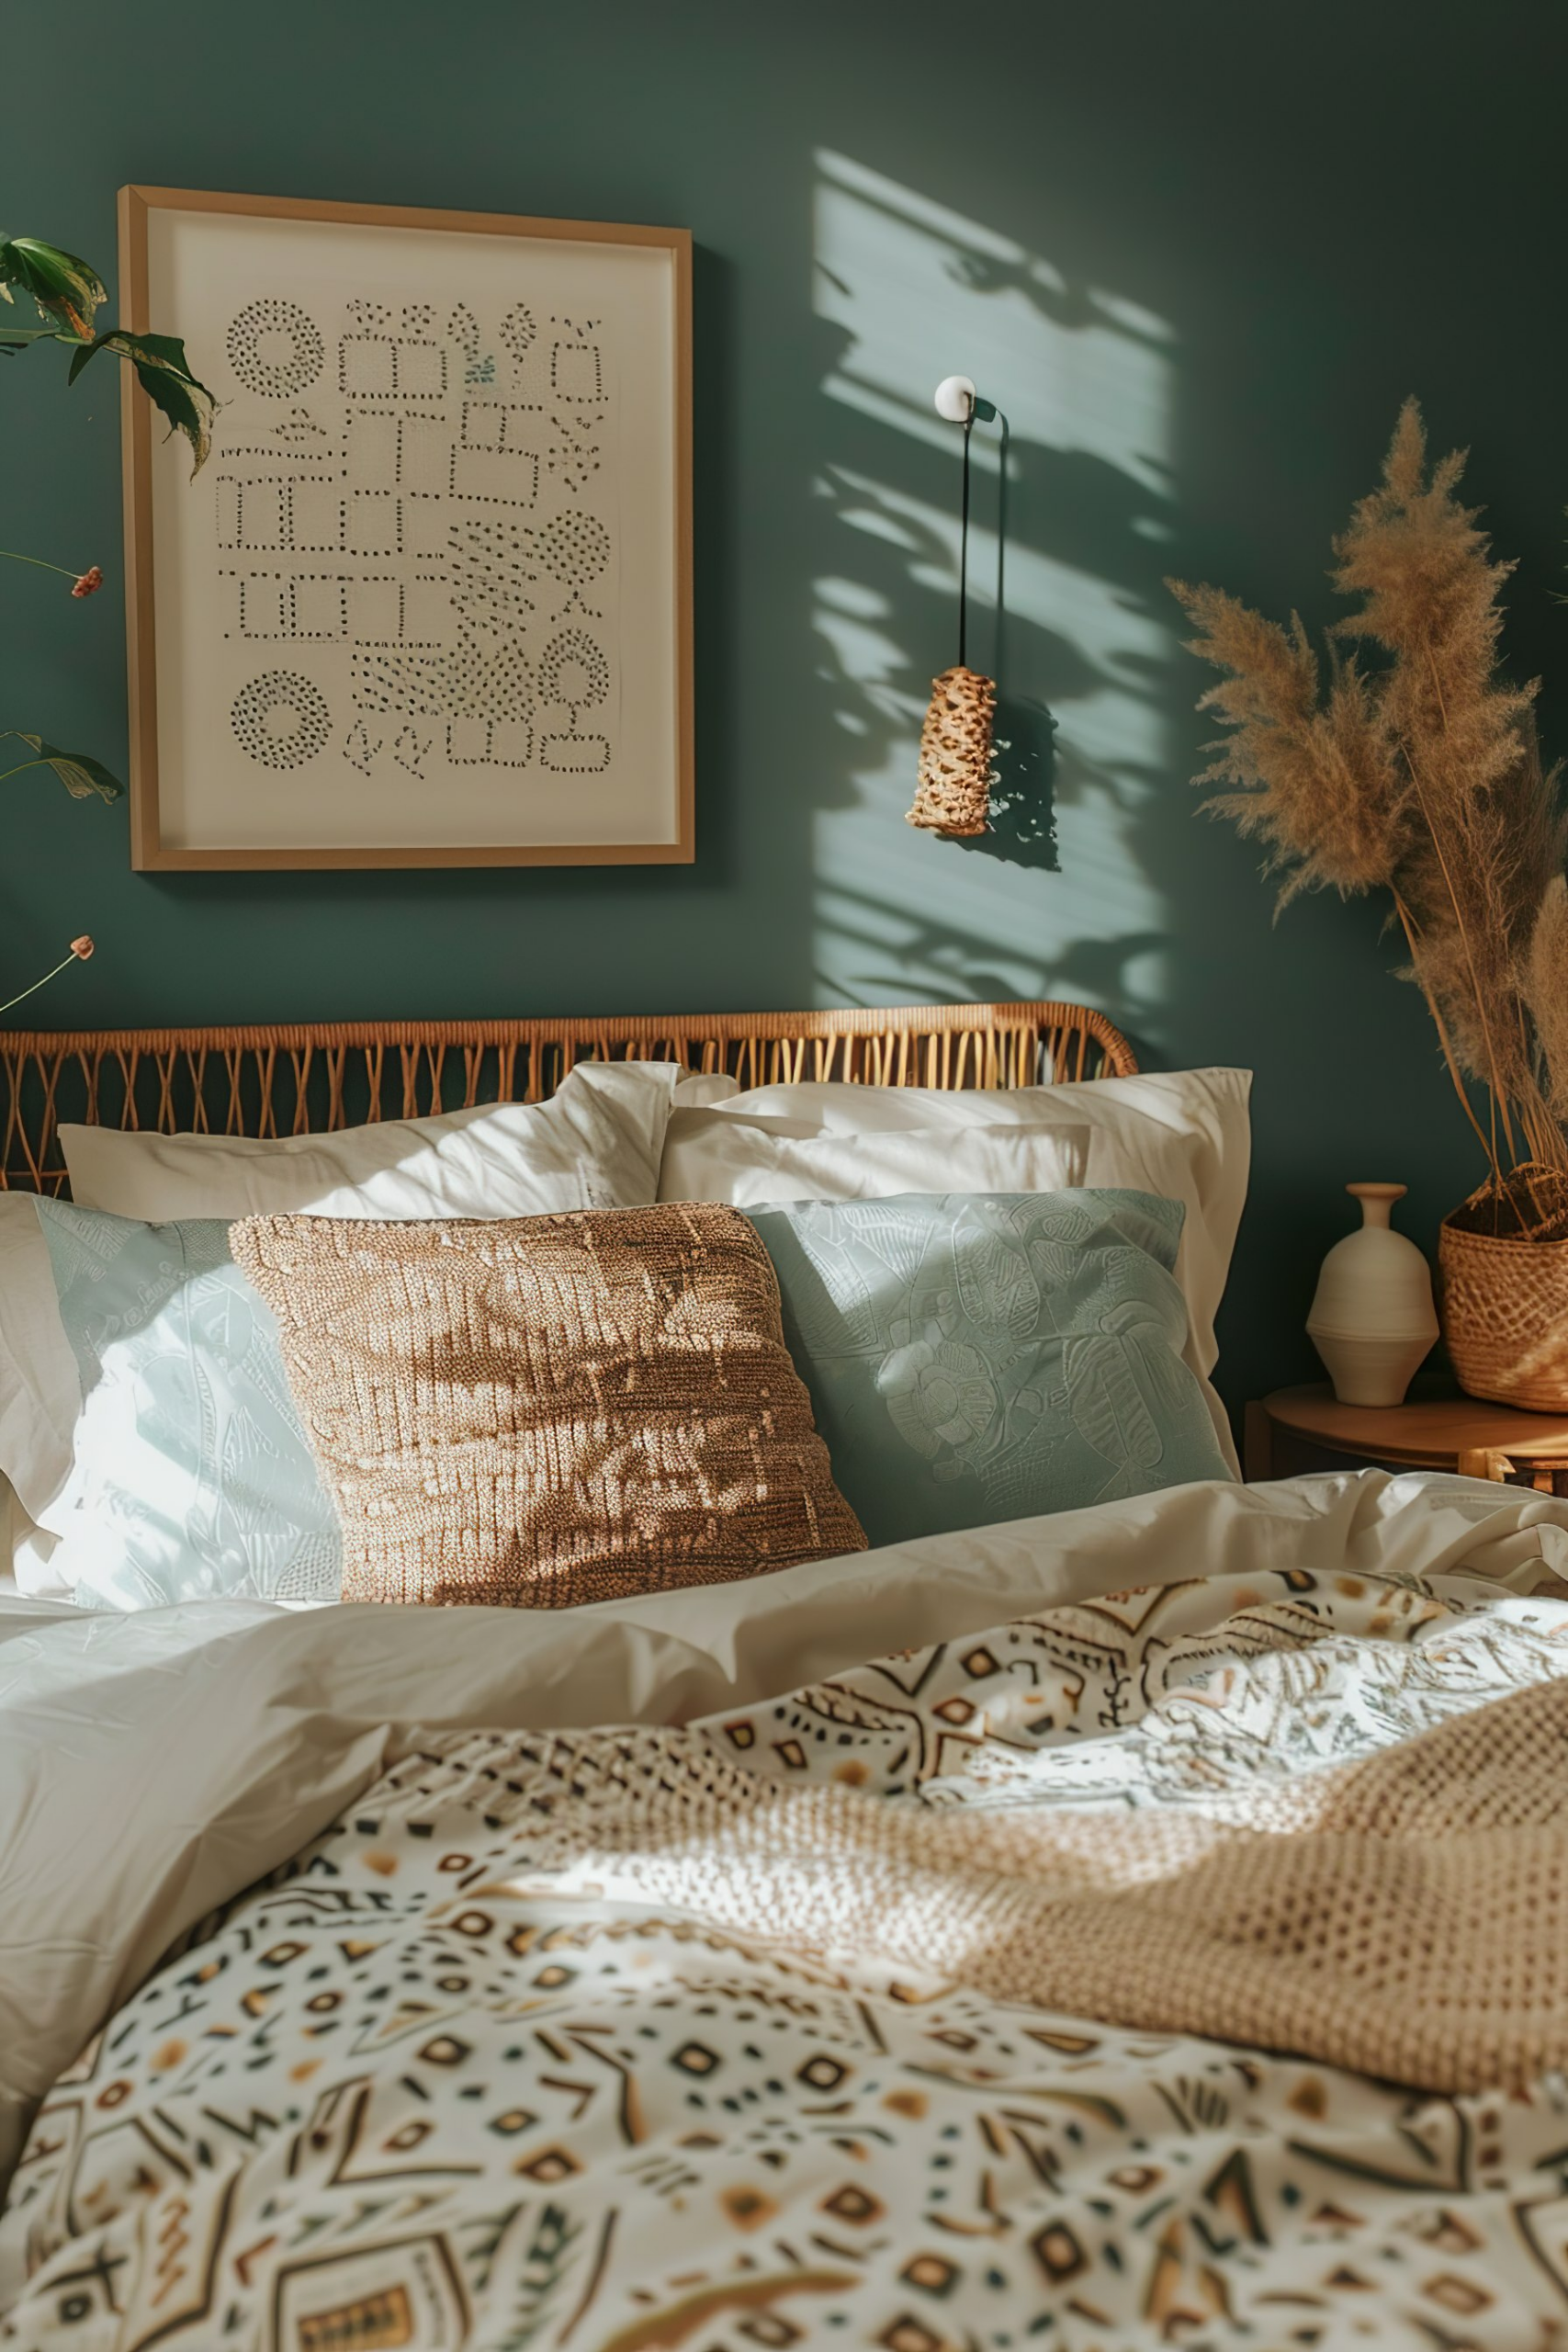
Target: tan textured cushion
[[549, 1410]]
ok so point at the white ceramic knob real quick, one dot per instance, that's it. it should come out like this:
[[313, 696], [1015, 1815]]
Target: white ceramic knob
[[1372, 1320], [955, 398]]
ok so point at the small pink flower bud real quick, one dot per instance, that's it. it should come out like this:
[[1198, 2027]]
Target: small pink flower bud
[[89, 582], [83, 947]]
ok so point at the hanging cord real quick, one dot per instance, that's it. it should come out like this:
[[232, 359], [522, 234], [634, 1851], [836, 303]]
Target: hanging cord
[[964, 547], [980, 410]]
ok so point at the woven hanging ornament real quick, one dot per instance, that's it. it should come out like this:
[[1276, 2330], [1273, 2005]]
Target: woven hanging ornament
[[952, 795], [953, 789]]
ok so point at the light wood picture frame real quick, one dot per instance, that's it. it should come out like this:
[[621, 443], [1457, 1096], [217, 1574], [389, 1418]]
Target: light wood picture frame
[[428, 602]]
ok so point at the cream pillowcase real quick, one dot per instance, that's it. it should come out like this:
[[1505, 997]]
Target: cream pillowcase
[[703, 1088], [40, 1394], [710, 1156], [594, 1144]]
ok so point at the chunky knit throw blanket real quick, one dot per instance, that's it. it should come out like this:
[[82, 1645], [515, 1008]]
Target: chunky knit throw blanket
[[1360, 1855]]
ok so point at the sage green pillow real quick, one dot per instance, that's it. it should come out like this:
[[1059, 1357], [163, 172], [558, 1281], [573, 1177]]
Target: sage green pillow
[[974, 1357], [191, 1477]]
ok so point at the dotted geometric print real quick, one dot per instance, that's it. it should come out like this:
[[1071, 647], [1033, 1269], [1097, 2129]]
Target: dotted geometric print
[[280, 719], [415, 536], [275, 348], [431, 2087]]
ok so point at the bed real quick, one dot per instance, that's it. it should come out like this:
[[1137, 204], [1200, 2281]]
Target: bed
[[1139, 1923]]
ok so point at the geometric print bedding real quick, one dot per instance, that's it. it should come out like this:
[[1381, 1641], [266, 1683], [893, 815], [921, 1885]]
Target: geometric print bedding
[[420, 2091]]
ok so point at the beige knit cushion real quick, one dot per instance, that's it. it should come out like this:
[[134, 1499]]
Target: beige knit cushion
[[549, 1410]]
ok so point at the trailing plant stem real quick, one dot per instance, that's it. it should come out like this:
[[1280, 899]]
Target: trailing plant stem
[[54, 974], [11, 555]]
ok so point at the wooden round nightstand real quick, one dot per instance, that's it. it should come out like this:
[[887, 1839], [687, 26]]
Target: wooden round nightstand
[[1299, 1429]]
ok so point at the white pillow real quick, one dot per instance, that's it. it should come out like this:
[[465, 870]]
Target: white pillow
[[1181, 1099], [41, 1394], [594, 1144], [1184, 1134], [703, 1088], [710, 1156]]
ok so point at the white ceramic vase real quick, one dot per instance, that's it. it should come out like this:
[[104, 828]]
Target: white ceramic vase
[[1372, 1320]]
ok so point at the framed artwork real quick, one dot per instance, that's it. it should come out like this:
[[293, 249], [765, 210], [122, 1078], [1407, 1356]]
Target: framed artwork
[[428, 602]]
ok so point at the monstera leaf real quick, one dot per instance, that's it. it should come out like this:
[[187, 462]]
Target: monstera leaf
[[81, 776], [64, 288], [159, 364]]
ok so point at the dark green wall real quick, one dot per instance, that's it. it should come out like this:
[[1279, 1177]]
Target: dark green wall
[[1198, 253]]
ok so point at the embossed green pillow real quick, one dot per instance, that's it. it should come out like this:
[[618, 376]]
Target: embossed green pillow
[[974, 1357]]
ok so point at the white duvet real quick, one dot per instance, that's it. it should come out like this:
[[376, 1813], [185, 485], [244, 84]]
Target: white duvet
[[153, 1768]]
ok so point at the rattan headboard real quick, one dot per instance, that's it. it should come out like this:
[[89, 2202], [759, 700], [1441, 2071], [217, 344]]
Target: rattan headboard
[[274, 1081]]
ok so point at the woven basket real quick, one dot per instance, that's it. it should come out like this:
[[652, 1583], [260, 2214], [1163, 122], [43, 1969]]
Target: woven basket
[[1503, 1305]]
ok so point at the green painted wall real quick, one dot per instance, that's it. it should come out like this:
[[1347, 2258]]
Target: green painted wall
[[1198, 255]]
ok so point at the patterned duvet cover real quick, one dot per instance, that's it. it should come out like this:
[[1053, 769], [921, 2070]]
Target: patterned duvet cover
[[442, 2083]]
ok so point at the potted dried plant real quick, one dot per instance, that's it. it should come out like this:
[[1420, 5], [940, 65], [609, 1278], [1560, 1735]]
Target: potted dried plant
[[1405, 763], [66, 295]]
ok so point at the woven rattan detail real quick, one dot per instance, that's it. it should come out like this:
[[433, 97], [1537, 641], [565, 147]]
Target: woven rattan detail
[[549, 1410], [1505, 1316], [301, 1080], [954, 792]]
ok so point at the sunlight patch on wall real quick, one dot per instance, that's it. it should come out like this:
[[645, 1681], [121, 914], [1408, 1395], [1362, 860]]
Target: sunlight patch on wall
[[908, 292]]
